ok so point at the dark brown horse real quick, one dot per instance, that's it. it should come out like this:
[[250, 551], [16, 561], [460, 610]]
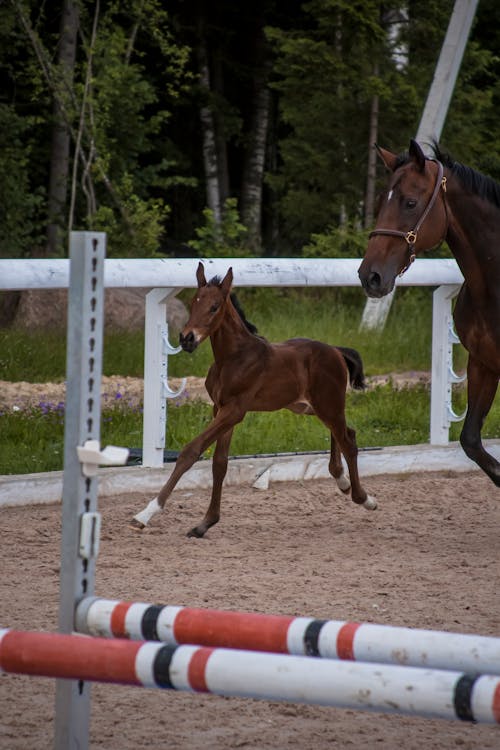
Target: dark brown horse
[[427, 201], [250, 374]]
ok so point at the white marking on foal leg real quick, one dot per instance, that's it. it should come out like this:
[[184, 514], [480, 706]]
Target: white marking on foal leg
[[343, 482], [149, 511], [370, 503]]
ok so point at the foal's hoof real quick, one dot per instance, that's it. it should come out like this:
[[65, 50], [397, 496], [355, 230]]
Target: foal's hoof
[[136, 525], [370, 503], [196, 533]]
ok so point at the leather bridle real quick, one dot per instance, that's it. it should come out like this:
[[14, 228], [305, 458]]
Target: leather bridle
[[410, 237]]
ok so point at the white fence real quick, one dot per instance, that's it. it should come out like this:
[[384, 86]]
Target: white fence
[[166, 277]]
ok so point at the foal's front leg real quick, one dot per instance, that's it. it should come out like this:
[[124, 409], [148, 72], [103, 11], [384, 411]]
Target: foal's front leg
[[219, 469], [225, 420]]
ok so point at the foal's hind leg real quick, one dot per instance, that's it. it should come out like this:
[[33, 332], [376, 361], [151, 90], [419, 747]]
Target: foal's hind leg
[[482, 386], [336, 468], [331, 411], [219, 469], [346, 437]]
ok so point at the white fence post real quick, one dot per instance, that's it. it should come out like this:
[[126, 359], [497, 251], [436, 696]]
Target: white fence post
[[443, 375], [157, 349]]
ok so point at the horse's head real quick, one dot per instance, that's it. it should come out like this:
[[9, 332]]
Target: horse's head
[[411, 219], [207, 309]]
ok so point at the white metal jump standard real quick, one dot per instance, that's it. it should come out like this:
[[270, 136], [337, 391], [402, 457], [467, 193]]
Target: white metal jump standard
[[82, 456]]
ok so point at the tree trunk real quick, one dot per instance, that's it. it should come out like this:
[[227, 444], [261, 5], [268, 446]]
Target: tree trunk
[[371, 176], [253, 170], [208, 132], [60, 147], [220, 135]]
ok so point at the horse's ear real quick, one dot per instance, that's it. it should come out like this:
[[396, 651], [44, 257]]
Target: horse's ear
[[417, 154], [387, 157], [227, 282], [200, 275]]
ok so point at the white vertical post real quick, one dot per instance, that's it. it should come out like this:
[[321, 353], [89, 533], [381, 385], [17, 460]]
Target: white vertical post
[[157, 349], [79, 501], [442, 375]]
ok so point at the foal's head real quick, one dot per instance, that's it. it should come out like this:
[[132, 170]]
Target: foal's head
[[207, 309]]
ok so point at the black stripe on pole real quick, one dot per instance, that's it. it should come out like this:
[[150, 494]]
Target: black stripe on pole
[[161, 667], [462, 697], [311, 637], [149, 621]]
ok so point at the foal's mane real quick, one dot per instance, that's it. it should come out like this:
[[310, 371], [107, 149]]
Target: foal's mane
[[471, 180], [216, 281]]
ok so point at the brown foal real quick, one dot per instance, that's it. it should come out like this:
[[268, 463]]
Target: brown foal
[[251, 374]]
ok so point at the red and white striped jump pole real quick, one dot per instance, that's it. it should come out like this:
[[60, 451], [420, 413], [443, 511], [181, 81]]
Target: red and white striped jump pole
[[389, 689], [300, 636]]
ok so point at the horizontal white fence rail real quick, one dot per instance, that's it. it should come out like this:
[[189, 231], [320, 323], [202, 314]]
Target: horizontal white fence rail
[[167, 276], [181, 273]]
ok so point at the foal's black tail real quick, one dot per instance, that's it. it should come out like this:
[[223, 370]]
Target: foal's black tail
[[355, 366]]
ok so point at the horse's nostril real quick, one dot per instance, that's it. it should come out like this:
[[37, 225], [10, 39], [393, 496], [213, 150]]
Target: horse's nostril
[[374, 280], [187, 341]]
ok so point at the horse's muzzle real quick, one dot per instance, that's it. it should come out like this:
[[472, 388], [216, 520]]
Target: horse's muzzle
[[373, 284], [188, 342]]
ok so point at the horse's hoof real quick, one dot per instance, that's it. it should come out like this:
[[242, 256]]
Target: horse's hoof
[[136, 525], [370, 503], [195, 533], [343, 483]]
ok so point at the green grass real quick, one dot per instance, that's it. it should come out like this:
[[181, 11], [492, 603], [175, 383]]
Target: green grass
[[381, 416]]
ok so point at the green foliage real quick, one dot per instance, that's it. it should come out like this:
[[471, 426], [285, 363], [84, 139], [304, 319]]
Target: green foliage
[[136, 231], [345, 241], [324, 147], [224, 239], [20, 221]]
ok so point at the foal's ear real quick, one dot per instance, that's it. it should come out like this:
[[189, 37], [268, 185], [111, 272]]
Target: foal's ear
[[227, 282], [200, 275], [387, 157], [417, 154]]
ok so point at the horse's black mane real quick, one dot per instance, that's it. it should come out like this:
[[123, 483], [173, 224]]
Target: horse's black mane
[[216, 281], [471, 180]]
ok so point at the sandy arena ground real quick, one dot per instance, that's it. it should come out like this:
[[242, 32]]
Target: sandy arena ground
[[428, 558]]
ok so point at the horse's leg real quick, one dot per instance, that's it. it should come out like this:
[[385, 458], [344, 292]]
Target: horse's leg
[[346, 437], [481, 389], [219, 469], [336, 468], [225, 419], [329, 406]]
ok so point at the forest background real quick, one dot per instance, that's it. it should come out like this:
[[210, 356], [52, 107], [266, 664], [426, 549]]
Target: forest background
[[222, 128]]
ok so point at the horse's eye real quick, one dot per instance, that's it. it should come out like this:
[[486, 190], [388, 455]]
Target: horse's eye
[[214, 308], [411, 203]]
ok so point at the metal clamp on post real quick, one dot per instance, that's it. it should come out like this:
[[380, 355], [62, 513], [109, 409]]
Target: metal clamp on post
[[167, 350], [91, 456], [452, 376], [90, 530]]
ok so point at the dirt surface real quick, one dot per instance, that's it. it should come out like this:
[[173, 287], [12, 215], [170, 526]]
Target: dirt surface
[[23, 395], [427, 558]]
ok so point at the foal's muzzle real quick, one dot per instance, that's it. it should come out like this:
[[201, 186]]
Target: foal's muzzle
[[188, 341]]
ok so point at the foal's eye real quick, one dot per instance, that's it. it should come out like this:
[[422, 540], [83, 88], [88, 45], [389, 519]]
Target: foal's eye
[[214, 308], [411, 203]]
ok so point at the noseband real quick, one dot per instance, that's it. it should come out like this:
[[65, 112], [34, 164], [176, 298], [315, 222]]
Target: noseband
[[411, 237]]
